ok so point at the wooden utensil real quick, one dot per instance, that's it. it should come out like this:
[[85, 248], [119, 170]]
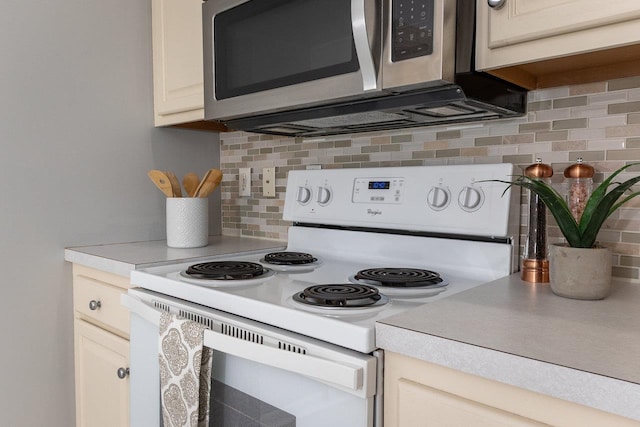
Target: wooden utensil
[[190, 183], [162, 181], [175, 184], [210, 182]]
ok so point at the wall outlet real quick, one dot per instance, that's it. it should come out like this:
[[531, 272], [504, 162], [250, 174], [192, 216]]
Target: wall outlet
[[269, 182], [244, 182]]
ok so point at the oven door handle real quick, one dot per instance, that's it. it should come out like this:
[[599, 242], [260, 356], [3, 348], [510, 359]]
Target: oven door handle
[[328, 371], [361, 42]]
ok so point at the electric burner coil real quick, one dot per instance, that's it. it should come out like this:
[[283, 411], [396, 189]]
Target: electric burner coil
[[289, 258], [339, 295], [226, 270], [399, 277]]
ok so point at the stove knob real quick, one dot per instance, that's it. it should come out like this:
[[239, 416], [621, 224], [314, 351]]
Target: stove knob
[[304, 195], [438, 198], [324, 196], [471, 199]]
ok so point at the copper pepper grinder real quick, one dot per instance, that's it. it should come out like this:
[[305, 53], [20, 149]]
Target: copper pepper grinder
[[535, 264], [579, 178]]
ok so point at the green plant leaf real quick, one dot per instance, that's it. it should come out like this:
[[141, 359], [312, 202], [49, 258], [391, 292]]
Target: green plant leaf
[[605, 207], [596, 197]]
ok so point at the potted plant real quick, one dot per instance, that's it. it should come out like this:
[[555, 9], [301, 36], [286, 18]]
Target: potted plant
[[581, 269]]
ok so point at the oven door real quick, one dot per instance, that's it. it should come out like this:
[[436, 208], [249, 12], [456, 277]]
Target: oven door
[[261, 376], [270, 55]]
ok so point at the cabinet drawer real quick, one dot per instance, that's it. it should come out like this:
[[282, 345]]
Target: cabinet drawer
[[99, 303]]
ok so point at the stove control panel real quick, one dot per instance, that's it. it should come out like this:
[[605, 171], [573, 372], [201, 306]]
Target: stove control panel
[[378, 190], [455, 199]]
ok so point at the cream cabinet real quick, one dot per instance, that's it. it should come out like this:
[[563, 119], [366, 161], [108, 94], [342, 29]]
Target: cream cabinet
[[421, 394], [599, 37], [177, 64], [101, 346]]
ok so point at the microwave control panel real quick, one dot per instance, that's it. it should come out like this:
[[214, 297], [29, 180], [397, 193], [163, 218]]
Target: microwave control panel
[[378, 190], [412, 28]]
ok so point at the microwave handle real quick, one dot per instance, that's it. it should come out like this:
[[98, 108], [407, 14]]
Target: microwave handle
[[361, 41], [328, 371]]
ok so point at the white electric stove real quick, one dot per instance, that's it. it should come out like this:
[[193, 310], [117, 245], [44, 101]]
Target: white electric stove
[[365, 244]]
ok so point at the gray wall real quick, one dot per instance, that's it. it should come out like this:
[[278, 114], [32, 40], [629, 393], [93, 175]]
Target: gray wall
[[76, 139]]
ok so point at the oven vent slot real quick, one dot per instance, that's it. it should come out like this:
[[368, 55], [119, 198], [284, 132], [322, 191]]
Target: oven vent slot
[[196, 318], [242, 334], [162, 306], [291, 347]]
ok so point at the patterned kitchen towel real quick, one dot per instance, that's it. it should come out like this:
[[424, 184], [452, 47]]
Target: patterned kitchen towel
[[185, 372]]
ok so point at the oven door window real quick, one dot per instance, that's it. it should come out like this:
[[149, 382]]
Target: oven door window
[[266, 44], [249, 394]]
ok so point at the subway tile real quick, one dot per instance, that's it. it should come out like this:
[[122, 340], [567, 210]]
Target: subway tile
[[625, 272], [370, 149], [630, 261], [381, 140], [607, 121], [598, 110], [534, 127], [569, 124], [633, 118], [451, 134], [588, 88], [518, 159], [631, 143], [387, 148], [551, 93], [552, 135], [626, 83], [540, 105], [523, 138], [574, 101], [423, 154], [629, 130], [488, 140], [551, 115], [474, 151], [401, 138], [453, 152], [607, 98], [624, 107], [628, 154], [608, 144], [587, 134], [587, 156], [568, 145]]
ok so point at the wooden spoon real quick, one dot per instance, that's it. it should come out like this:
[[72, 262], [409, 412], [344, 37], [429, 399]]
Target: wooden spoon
[[190, 183], [162, 181], [210, 182], [175, 184]]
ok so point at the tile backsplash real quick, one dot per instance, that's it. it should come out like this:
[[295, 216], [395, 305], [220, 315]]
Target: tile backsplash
[[599, 122]]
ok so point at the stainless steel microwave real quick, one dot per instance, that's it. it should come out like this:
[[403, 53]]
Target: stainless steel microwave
[[310, 67]]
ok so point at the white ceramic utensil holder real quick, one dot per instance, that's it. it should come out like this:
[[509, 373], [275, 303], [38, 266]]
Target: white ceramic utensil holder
[[187, 222]]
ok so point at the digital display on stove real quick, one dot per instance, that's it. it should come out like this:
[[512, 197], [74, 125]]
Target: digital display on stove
[[379, 185]]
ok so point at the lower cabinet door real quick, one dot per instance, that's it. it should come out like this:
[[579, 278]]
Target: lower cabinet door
[[102, 396], [421, 406]]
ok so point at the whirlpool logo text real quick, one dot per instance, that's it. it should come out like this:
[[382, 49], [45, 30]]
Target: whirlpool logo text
[[374, 212]]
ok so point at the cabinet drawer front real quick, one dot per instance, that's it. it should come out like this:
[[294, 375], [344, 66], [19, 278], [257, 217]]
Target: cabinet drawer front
[[100, 302]]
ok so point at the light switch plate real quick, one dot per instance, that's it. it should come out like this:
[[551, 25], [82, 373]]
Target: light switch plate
[[269, 182], [244, 182]]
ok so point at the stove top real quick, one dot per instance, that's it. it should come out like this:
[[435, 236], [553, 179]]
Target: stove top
[[377, 243]]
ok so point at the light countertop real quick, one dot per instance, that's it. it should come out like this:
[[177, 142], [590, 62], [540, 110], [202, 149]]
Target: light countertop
[[122, 258], [522, 334]]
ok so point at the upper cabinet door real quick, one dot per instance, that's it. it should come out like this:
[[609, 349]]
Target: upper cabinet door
[[524, 20], [542, 43], [177, 61]]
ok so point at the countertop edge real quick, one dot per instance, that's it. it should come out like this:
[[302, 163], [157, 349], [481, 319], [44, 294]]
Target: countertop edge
[[123, 258], [584, 388]]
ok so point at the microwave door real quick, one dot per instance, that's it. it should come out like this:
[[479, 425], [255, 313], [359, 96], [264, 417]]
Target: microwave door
[[263, 56]]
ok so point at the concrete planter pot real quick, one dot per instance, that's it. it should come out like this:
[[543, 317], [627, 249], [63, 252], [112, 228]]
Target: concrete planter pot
[[580, 273]]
